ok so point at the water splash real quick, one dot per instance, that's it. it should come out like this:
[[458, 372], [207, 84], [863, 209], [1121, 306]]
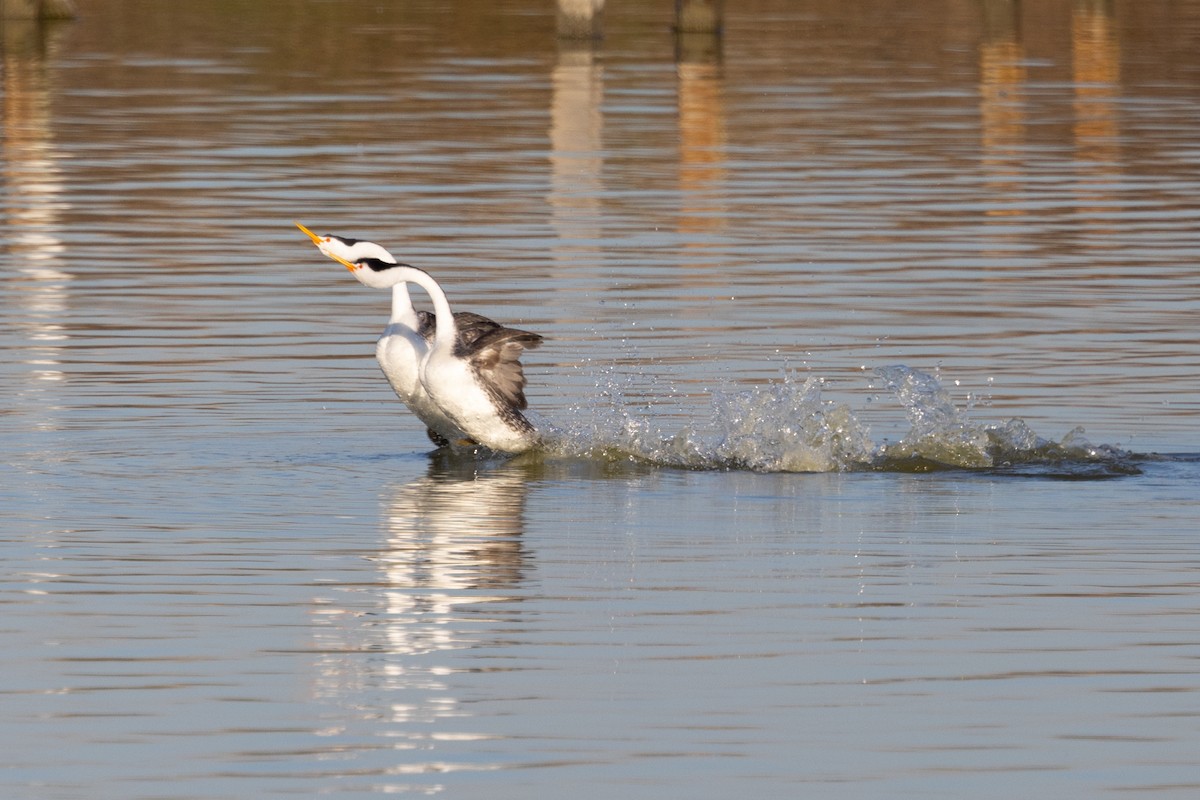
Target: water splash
[[781, 427], [939, 433], [788, 426], [942, 437]]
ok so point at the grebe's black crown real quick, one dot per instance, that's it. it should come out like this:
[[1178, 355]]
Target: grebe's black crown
[[379, 265]]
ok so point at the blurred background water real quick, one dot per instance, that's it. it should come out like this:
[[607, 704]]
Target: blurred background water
[[826, 300]]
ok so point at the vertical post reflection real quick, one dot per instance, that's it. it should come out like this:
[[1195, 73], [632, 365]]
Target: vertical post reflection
[[698, 16], [1002, 79], [580, 19], [702, 136], [576, 127], [33, 203], [1096, 68]]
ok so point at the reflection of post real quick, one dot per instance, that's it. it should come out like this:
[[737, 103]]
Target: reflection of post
[[576, 125], [1096, 63], [701, 134], [1002, 78], [32, 182], [580, 19], [698, 16], [37, 9]]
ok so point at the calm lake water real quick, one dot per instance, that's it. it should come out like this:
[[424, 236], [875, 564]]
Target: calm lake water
[[827, 303]]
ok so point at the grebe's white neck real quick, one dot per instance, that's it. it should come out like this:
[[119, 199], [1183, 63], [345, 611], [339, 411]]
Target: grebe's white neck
[[403, 312], [383, 275]]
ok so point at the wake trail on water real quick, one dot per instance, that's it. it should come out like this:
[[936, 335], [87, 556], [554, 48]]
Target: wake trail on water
[[788, 426]]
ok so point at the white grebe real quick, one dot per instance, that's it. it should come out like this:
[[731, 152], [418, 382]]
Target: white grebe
[[460, 373], [403, 343]]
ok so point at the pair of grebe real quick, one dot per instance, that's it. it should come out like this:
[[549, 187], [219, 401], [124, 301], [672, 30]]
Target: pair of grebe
[[460, 373]]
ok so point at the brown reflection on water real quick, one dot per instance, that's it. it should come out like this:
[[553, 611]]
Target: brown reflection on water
[[702, 135], [576, 146], [1002, 79], [1096, 73], [35, 203]]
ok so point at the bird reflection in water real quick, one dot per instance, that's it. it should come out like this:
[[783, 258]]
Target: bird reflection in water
[[454, 542], [452, 550]]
